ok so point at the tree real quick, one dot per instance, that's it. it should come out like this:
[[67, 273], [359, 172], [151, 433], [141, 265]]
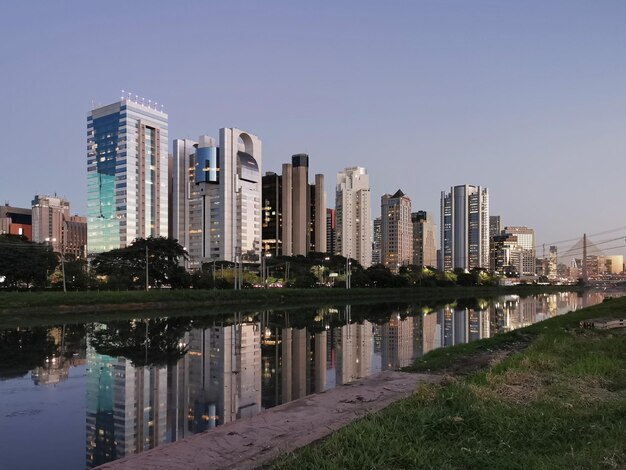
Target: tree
[[126, 267], [150, 342], [25, 262]]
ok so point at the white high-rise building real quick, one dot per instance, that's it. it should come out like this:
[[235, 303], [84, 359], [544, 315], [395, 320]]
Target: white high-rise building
[[465, 228], [354, 219], [397, 231], [526, 242], [49, 216], [217, 197], [127, 174]]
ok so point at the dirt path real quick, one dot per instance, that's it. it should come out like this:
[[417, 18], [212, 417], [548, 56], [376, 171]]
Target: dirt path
[[250, 443]]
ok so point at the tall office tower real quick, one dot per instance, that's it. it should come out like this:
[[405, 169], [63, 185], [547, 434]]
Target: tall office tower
[[126, 174], [186, 201], [354, 220], [331, 231], [294, 211], [377, 241], [300, 198], [397, 230], [49, 215], [74, 237], [217, 197], [317, 216], [505, 255], [465, 228], [526, 241], [53, 224], [494, 225], [16, 221], [424, 239], [272, 217], [552, 263]]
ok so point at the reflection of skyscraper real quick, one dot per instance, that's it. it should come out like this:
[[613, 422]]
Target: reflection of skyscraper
[[126, 408], [354, 346], [397, 342], [431, 332], [300, 363], [226, 376], [319, 358]]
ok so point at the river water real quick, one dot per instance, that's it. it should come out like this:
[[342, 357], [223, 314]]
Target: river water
[[80, 395]]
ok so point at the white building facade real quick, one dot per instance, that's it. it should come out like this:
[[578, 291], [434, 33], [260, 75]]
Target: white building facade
[[217, 197], [354, 219]]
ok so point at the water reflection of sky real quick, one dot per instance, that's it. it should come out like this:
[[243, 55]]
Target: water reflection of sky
[[94, 393]]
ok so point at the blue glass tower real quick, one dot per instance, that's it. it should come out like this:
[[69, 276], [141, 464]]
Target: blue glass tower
[[126, 174]]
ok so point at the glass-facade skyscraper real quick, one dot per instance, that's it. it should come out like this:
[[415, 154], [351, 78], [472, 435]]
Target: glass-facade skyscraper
[[127, 177], [465, 228]]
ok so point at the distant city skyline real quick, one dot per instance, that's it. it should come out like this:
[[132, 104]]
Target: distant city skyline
[[525, 99]]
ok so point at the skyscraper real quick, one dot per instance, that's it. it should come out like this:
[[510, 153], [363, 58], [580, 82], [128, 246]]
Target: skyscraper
[[354, 220], [331, 231], [53, 224], [49, 215], [526, 241], [397, 230], [494, 225], [294, 211], [424, 239], [377, 241], [217, 196], [465, 228], [126, 174]]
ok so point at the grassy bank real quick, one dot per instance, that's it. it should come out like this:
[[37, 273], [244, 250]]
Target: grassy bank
[[558, 403], [133, 300]]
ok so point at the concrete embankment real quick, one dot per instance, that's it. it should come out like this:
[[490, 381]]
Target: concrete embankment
[[250, 443]]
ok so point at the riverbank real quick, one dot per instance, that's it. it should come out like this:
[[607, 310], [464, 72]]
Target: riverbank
[[556, 398], [251, 443], [48, 303]]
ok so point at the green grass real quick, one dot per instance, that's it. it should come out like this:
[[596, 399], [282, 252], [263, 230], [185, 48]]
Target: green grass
[[21, 300], [559, 403]]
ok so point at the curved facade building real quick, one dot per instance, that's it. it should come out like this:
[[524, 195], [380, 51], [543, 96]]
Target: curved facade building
[[217, 197]]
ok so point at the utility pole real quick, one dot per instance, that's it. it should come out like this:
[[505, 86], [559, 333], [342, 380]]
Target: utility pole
[[213, 273], [585, 273], [63, 271], [147, 283]]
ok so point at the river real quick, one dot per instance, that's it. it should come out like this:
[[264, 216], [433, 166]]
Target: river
[[76, 396]]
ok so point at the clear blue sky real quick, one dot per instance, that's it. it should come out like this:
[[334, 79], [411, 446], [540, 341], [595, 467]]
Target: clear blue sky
[[527, 98]]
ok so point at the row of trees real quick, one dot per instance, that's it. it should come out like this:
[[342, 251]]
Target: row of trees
[[157, 262]]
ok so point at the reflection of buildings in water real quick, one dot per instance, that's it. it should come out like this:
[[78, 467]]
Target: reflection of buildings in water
[[431, 332], [131, 409], [56, 368], [479, 324], [417, 336], [354, 346], [319, 361], [225, 374], [294, 363], [177, 398], [397, 342], [126, 407]]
